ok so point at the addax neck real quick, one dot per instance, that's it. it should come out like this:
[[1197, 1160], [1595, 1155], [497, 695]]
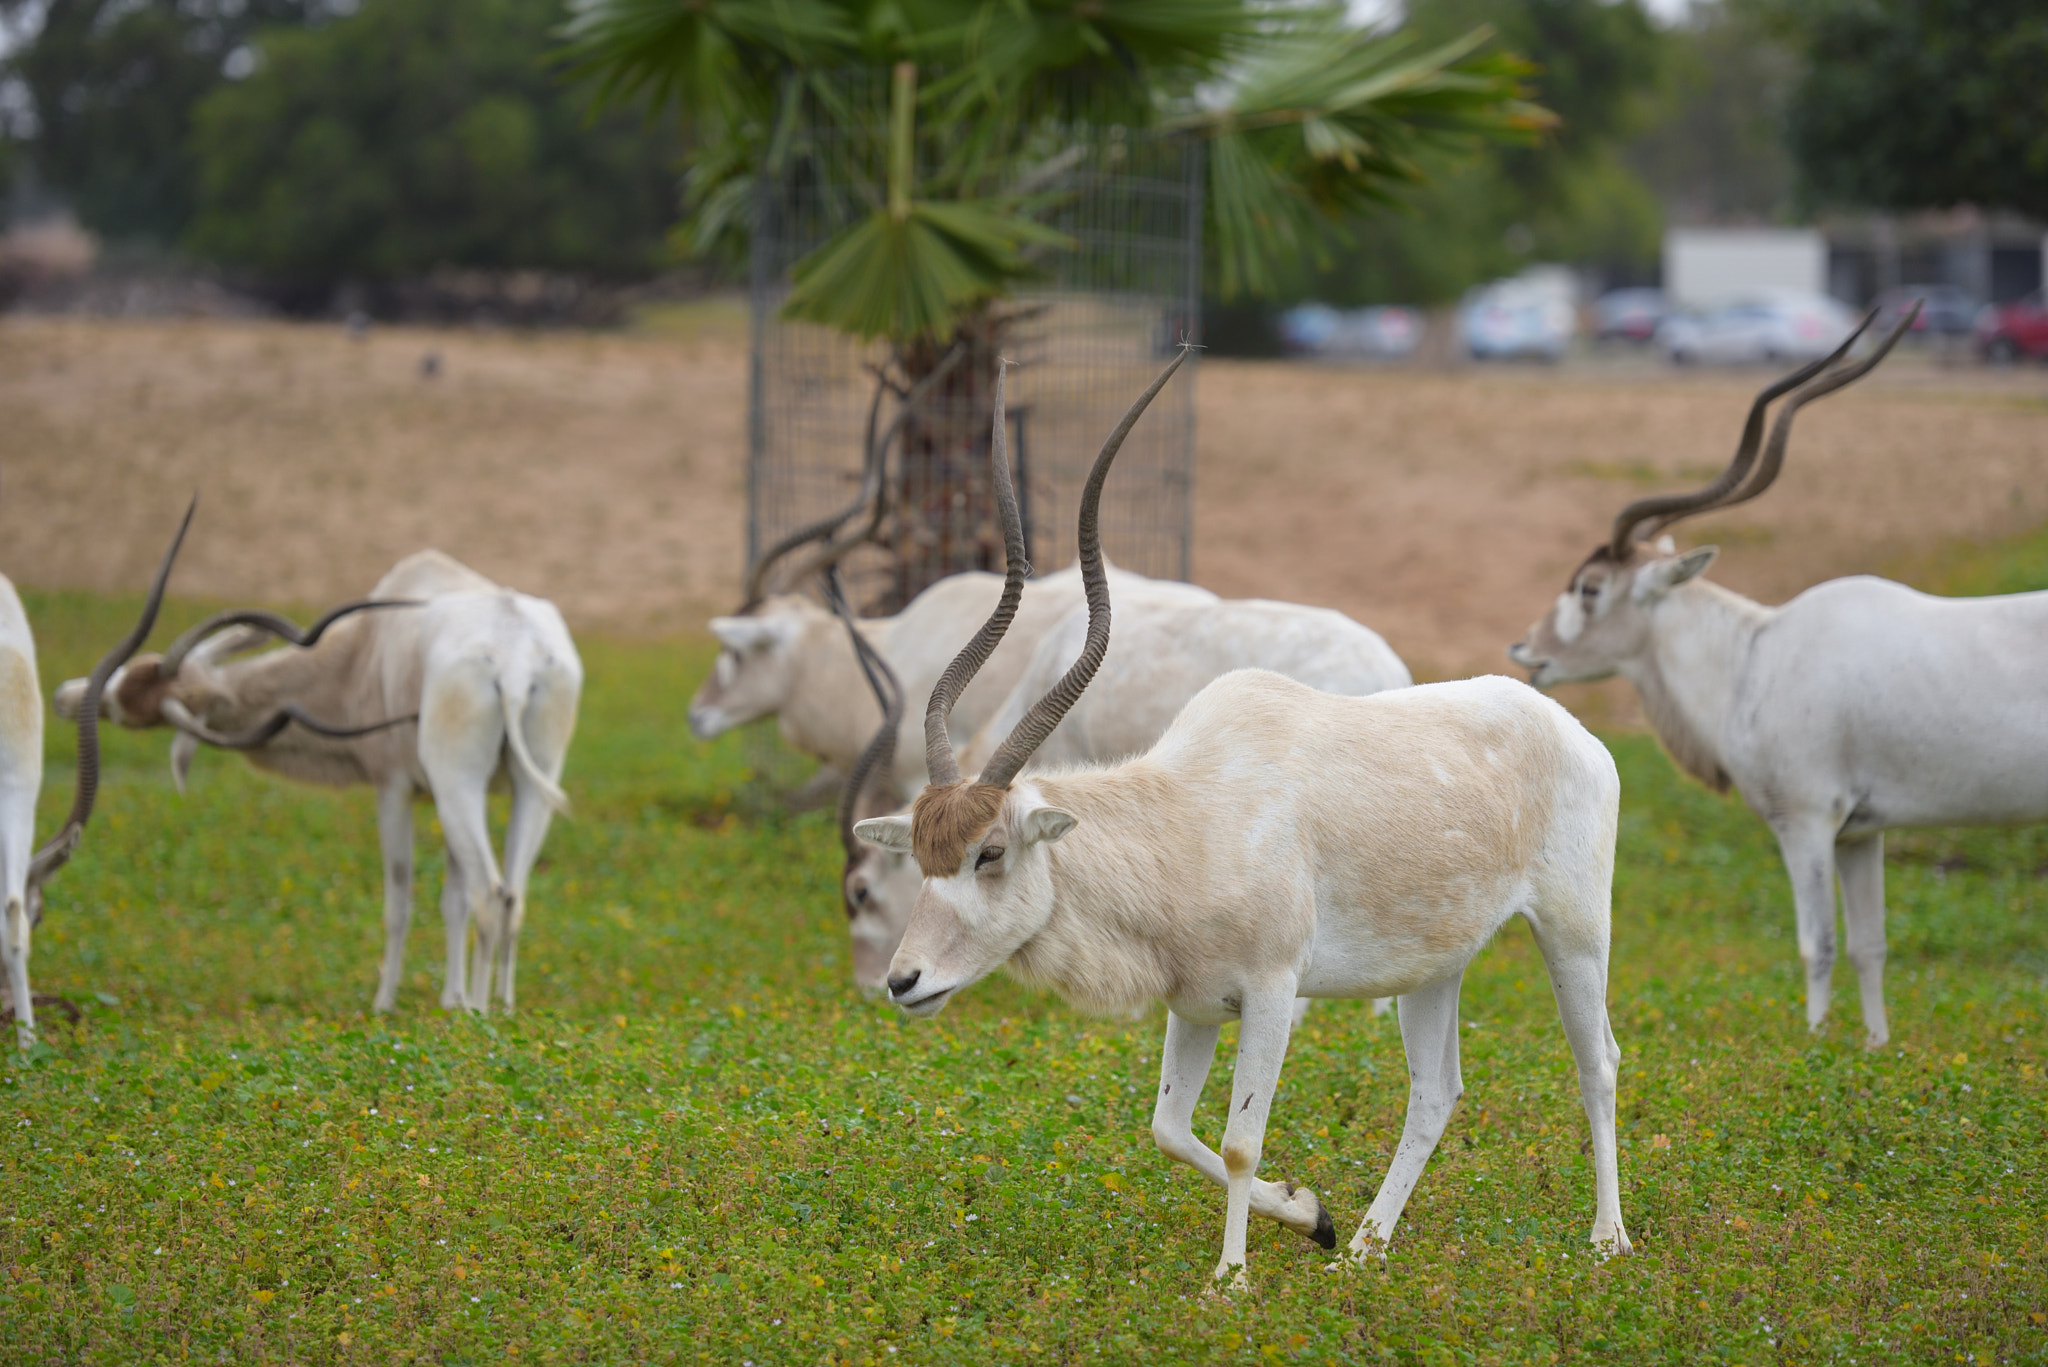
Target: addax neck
[[1699, 642], [831, 713], [1107, 947]]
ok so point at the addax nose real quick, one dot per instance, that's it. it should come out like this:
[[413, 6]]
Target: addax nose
[[898, 986]]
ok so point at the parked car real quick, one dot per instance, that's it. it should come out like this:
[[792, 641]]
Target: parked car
[[1629, 315], [1945, 310], [2006, 332], [1389, 332], [1783, 326], [1527, 315]]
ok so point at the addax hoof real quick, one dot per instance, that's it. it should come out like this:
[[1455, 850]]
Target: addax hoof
[[1326, 1232]]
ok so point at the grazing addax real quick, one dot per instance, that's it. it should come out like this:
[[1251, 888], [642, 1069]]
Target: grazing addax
[[21, 778], [1164, 653], [785, 656], [792, 659], [1859, 705], [1276, 842], [491, 678]]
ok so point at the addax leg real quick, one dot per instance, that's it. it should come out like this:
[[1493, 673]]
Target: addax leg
[[1261, 1048], [1429, 1033], [14, 946], [394, 835], [1183, 1068], [524, 831], [1861, 865], [455, 927], [469, 852], [1578, 975], [1809, 850]]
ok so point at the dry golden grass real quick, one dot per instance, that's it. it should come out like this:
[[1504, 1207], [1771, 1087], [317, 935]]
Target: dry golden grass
[[606, 472]]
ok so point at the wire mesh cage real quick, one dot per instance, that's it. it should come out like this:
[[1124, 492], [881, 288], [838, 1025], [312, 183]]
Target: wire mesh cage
[[1087, 331]]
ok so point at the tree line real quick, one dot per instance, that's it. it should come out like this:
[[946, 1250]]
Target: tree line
[[308, 142]]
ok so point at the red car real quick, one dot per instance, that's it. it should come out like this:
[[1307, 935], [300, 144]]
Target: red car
[[2006, 332]]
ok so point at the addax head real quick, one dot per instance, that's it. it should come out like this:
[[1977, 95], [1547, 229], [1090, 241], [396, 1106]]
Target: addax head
[[756, 666], [983, 847], [754, 674], [1602, 619], [185, 688]]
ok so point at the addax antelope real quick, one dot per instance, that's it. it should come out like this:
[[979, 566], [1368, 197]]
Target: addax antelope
[[21, 775], [1276, 842], [1857, 706], [438, 684]]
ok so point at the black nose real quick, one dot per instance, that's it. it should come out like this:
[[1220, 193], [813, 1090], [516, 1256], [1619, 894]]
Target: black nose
[[898, 986]]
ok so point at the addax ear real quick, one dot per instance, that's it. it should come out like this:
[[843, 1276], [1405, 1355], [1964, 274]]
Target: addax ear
[[1665, 575], [890, 832], [749, 633], [1047, 824]]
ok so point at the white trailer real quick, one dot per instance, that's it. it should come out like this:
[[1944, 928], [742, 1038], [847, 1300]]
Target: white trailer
[[1708, 267]]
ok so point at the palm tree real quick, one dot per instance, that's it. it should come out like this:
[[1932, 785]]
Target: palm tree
[[1306, 120]]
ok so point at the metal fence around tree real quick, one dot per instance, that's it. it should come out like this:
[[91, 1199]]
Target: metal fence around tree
[[1088, 332]]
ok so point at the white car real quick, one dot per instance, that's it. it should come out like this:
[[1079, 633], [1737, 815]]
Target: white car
[[1528, 315], [1768, 329], [1387, 332]]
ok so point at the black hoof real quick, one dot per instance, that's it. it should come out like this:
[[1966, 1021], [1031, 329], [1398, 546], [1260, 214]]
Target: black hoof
[[1326, 1232]]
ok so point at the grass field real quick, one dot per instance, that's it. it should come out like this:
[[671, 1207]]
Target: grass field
[[695, 1142]]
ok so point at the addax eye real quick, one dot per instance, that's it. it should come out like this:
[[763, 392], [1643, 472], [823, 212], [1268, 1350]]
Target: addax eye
[[988, 856], [1589, 591]]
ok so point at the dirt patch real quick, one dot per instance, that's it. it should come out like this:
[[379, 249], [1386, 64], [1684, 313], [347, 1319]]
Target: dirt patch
[[607, 472]]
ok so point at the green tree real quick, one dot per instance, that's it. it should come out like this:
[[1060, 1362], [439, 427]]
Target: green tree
[[1306, 117], [1599, 66], [1909, 104], [1308, 121], [111, 86], [414, 134]]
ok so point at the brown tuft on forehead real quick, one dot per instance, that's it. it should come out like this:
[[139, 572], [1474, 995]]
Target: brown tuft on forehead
[[945, 821], [1601, 556], [139, 698]]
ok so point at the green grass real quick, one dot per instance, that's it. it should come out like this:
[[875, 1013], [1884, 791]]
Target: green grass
[[695, 1142]]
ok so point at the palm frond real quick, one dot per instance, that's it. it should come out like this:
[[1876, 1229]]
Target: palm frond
[[705, 56], [911, 275], [1331, 121]]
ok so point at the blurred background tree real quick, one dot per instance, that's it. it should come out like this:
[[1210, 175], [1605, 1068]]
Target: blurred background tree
[[315, 141], [416, 134], [1601, 66], [1910, 104], [109, 87]]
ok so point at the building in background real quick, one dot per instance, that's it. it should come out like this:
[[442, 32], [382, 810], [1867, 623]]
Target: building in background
[[1994, 258], [1705, 268]]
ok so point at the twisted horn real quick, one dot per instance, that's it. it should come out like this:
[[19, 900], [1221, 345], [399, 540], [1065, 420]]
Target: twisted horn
[[938, 746], [1664, 509], [174, 658], [1781, 429], [180, 716], [881, 749], [874, 456], [1045, 714], [57, 853]]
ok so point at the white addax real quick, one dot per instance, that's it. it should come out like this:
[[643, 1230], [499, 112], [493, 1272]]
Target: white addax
[[1277, 842], [790, 658], [439, 684], [22, 873], [1163, 653], [1857, 706]]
